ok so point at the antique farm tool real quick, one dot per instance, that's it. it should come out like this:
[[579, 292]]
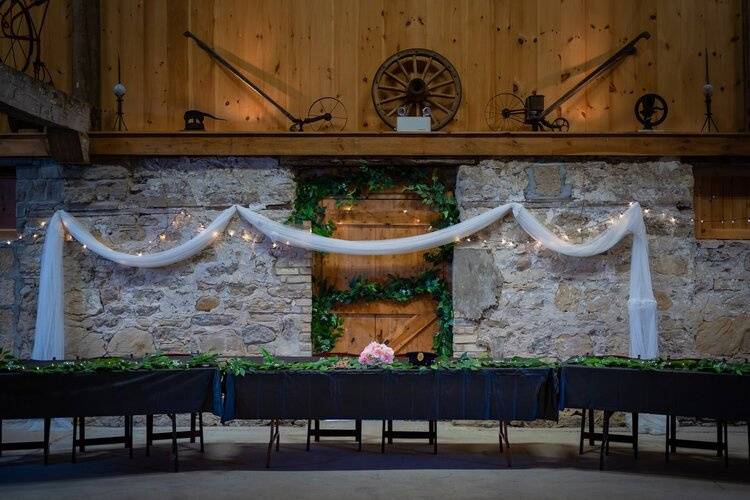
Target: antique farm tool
[[507, 111], [22, 37], [328, 112], [708, 92], [651, 110], [194, 119], [413, 80]]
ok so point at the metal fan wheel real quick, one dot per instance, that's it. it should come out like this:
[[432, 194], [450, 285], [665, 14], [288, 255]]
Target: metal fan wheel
[[335, 108], [660, 109], [17, 29], [506, 112], [412, 80]]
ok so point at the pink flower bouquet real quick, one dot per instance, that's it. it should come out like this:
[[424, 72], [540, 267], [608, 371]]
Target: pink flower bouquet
[[375, 354]]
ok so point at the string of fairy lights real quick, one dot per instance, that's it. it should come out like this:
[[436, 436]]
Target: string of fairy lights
[[184, 218]]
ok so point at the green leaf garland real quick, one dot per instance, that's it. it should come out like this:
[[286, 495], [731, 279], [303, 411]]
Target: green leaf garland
[[327, 325]]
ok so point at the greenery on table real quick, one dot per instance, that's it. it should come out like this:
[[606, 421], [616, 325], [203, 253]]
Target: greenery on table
[[9, 363], [699, 365], [347, 190], [243, 366], [327, 325]]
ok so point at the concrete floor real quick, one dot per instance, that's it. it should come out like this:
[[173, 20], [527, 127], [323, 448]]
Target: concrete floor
[[546, 464]]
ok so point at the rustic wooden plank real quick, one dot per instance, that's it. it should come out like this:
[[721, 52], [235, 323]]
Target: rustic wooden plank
[[86, 56], [427, 145], [23, 146], [29, 99]]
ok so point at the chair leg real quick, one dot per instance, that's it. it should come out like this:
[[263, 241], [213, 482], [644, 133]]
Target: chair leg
[[75, 434], [666, 437], [673, 431], [192, 427], [273, 436], [200, 430], [358, 428], [149, 433], [82, 442], [500, 436], [605, 438], [583, 430], [309, 429], [592, 442], [382, 438], [726, 445], [317, 430], [429, 432], [390, 430], [719, 438], [635, 436], [434, 437], [1, 437], [278, 435], [47, 424], [504, 436], [174, 442], [130, 434]]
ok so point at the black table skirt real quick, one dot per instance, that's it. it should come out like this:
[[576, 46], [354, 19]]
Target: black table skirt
[[487, 394], [690, 394], [29, 395]]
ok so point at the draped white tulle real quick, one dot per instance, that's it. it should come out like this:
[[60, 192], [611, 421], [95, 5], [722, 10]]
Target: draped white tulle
[[49, 339]]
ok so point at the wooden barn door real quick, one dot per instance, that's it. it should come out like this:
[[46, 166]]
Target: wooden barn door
[[405, 327]]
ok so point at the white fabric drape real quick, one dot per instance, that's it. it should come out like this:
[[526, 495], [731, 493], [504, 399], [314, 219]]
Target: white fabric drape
[[50, 335]]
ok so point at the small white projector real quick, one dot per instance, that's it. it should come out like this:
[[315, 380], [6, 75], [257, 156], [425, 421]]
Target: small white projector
[[413, 124]]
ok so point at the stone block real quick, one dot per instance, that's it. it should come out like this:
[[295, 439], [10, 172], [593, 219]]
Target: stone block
[[206, 303], [131, 341], [477, 282], [723, 336]]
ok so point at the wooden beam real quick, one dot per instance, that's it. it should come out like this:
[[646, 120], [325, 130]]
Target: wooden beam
[[28, 99], [746, 62], [390, 144], [86, 56], [67, 119], [421, 148], [23, 146]]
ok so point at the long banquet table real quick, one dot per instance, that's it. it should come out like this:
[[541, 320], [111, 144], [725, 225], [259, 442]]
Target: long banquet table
[[721, 396], [30, 395]]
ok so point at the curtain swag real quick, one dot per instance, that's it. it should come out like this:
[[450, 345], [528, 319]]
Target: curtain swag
[[49, 338]]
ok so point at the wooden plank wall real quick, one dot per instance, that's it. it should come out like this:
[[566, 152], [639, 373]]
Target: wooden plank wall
[[722, 202], [299, 50]]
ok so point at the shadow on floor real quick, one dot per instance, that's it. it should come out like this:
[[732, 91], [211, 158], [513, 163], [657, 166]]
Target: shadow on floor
[[342, 456]]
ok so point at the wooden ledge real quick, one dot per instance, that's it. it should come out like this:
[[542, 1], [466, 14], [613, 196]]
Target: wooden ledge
[[436, 144]]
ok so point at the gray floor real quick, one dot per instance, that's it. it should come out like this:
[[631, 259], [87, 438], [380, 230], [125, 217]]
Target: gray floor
[[546, 464]]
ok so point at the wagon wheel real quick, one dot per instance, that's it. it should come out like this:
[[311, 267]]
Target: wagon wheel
[[415, 79], [17, 34], [505, 111], [328, 106]]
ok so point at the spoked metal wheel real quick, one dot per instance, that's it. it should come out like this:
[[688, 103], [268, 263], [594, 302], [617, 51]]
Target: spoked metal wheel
[[17, 30], [506, 112], [415, 79], [334, 111], [560, 125]]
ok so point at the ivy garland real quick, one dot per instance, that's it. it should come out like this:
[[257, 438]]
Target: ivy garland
[[9, 363], [327, 325], [350, 189]]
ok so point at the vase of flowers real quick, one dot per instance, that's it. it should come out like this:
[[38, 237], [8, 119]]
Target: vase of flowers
[[376, 354]]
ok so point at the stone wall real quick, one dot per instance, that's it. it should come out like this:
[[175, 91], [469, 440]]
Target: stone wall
[[513, 298], [236, 297], [510, 297]]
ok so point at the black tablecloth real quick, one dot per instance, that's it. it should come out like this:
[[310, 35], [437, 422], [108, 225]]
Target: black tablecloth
[[487, 394], [31, 395], [664, 392]]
